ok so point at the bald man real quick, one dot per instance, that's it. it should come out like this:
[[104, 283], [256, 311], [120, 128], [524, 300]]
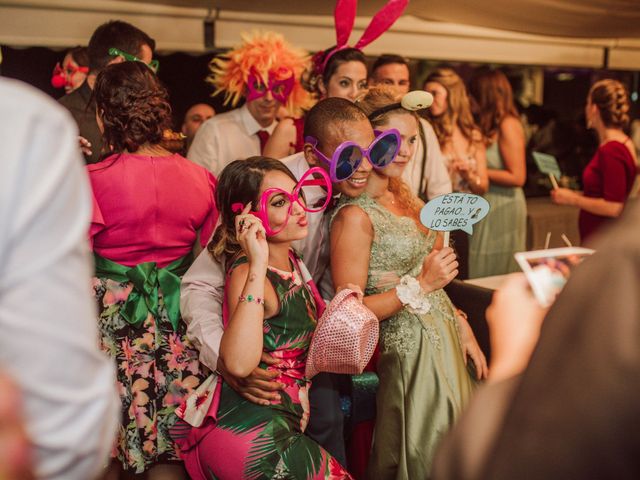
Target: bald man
[[196, 116]]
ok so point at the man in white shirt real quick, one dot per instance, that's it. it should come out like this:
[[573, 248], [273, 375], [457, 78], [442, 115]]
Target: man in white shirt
[[265, 70], [427, 174], [233, 135], [48, 344], [332, 121]]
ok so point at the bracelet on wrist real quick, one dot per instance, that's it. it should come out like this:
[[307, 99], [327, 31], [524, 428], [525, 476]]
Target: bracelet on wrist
[[412, 296], [251, 299]]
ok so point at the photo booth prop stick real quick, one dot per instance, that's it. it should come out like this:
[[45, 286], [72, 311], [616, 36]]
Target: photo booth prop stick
[[548, 165], [454, 211]]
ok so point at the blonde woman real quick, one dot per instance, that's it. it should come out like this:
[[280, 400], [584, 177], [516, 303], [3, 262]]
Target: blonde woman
[[460, 138], [461, 142], [503, 231], [379, 244]]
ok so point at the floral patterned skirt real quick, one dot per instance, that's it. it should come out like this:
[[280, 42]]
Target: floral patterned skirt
[[243, 440], [156, 368]]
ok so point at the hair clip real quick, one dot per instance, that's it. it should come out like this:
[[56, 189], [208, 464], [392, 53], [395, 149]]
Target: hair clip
[[412, 101]]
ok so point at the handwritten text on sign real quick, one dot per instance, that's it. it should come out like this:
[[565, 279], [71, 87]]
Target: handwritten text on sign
[[454, 211]]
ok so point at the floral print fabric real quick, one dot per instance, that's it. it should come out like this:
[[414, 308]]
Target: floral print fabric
[[249, 441], [156, 368]]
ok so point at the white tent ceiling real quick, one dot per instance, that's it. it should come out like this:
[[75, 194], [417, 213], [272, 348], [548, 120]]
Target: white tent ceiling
[[563, 18], [530, 32]]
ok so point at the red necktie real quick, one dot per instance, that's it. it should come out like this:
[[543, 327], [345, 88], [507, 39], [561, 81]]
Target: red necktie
[[263, 135]]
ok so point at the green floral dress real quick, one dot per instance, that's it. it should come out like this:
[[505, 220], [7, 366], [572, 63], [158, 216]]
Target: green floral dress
[[156, 368], [242, 440], [424, 383]]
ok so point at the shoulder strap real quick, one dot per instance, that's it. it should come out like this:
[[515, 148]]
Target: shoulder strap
[[308, 280], [422, 193]]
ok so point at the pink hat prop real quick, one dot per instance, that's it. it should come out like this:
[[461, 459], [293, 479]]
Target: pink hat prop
[[345, 337]]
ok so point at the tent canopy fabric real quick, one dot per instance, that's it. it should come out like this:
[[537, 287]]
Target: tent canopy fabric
[[564, 18], [564, 33]]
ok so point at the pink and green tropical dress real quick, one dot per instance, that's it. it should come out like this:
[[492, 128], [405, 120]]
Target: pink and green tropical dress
[[242, 440]]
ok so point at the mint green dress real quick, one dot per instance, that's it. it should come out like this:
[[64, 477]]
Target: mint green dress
[[424, 383], [503, 231]]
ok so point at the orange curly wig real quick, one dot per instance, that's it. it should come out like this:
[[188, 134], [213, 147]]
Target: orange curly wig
[[261, 53]]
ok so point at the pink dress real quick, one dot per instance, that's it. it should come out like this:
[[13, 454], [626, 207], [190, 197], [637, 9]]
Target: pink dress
[[150, 208], [147, 215]]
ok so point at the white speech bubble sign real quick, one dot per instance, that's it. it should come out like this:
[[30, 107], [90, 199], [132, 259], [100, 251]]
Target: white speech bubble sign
[[454, 211]]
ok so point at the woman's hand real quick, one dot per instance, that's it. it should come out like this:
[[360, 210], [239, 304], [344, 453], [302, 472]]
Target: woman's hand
[[438, 269], [470, 347], [85, 145], [461, 166], [355, 288], [564, 196], [252, 237], [514, 319]]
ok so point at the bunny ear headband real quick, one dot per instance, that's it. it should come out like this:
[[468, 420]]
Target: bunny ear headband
[[345, 16]]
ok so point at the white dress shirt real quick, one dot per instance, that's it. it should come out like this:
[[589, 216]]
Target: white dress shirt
[[436, 180], [227, 137], [48, 343], [202, 288]]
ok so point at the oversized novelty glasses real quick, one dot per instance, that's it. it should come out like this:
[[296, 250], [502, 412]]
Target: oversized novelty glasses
[[346, 159], [309, 179], [154, 65], [61, 77], [280, 89]]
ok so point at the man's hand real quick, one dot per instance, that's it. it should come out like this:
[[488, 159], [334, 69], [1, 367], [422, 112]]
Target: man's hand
[[15, 448], [85, 145], [259, 387]]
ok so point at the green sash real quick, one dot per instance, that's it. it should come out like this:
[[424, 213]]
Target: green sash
[[147, 278]]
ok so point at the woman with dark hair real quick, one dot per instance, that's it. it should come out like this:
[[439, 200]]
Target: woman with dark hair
[[503, 231], [343, 76], [151, 209], [609, 176], [269, 307]]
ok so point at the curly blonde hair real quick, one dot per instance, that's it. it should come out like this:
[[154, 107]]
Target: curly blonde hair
[[374, 99], [612, 100]]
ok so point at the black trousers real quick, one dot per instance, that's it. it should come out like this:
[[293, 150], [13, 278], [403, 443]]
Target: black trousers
[[326, 422]]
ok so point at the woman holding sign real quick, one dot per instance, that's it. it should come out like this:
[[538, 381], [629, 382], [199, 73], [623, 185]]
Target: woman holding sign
[[609, 176], [378, 243], [461, 142], [503, 231]]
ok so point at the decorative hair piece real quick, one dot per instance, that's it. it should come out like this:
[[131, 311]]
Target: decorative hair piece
[[344, 16], [268, 59], [411, 101]]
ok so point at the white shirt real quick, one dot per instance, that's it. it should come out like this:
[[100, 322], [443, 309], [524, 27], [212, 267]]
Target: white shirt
[[202, 288], [48, 343], [227, 137], [436, 180]]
